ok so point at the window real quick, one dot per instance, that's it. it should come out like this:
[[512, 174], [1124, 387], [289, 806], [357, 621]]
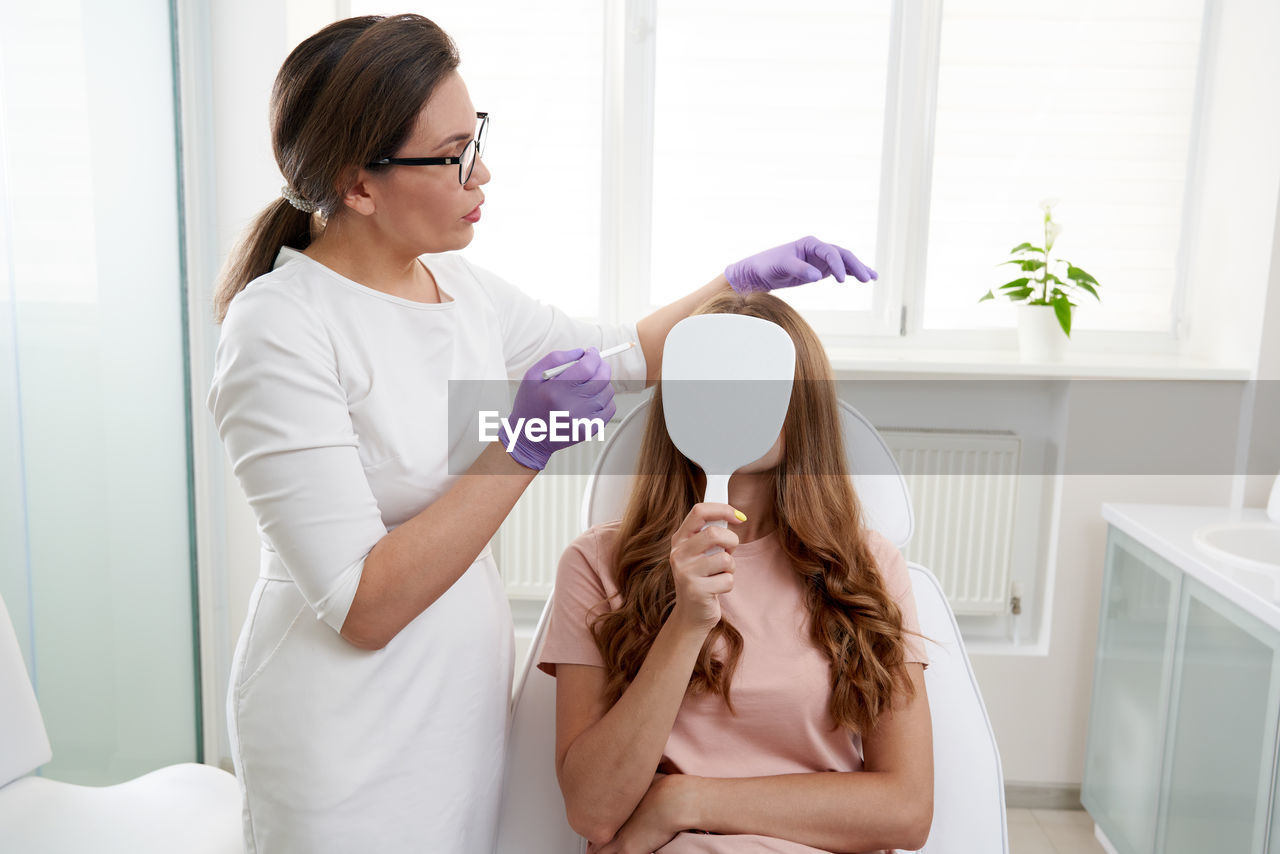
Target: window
[[766, 128], [540, 77], [655, 141], [1089, 103]]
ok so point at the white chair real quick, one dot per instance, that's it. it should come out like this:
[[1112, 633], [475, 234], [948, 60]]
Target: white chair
[[532, 820], [189, 808], [968, 802], [876, 476]]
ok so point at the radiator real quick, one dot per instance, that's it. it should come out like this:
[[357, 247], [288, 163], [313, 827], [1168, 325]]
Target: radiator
[[541, 525], [964, 489]]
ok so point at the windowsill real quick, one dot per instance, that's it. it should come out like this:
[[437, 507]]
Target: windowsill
[[1007, 363]]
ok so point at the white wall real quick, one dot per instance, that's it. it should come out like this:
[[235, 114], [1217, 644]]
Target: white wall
[[1263, 464], [1039, 706], [230, 52], [250, 42], [1234, 200]]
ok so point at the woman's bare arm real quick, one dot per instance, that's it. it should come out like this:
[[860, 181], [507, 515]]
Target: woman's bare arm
[[653, 328], [415, 564], [412, 566], [606, 757]]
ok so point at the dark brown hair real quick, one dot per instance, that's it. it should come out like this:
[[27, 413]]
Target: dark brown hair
[[852, 618], [347, 95]]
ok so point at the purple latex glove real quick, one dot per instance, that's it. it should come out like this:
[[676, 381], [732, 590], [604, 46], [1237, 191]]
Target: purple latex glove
[[800, 262], [582, 391]]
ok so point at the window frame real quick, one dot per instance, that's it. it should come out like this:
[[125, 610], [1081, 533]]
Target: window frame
[[895, 320]]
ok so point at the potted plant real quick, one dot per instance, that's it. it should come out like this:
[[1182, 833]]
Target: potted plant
[[1044, 297]]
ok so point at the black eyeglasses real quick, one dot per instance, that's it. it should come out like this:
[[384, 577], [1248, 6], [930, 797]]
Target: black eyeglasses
[[466, 161]]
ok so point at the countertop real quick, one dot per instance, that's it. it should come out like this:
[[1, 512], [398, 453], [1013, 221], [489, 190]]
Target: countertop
[[1167, 530]]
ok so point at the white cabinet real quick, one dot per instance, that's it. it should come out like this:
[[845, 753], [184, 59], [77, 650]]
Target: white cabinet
[[1183, 720]]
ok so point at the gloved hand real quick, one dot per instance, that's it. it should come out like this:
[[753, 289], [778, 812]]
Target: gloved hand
[[583, 391], [800, 262]]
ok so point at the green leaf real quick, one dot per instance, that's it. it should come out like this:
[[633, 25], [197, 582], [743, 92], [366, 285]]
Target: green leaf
[[1062, 308], [1051, 277], [1074, 272], [1026, 265], [987, 296], [1088, 287], [1017, 296], [1025, 247], [1016, 283]]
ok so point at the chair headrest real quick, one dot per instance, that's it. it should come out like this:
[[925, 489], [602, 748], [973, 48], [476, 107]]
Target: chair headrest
[[878, 481]]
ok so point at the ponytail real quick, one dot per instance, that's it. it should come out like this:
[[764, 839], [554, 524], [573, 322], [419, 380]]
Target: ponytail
[[279, 224]]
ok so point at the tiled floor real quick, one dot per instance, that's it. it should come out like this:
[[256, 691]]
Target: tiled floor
[[1051, 832]]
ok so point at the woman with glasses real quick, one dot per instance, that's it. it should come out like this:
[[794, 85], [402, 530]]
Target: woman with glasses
[[370, 686]]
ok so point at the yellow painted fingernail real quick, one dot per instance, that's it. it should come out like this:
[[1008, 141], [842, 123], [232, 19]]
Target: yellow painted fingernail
[[741, 516]]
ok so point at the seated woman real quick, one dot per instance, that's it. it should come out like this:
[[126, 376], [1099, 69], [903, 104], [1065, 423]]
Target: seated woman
[[767, 697]]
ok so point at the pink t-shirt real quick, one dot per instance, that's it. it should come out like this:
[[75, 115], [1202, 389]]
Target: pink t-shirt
[[779, 692]]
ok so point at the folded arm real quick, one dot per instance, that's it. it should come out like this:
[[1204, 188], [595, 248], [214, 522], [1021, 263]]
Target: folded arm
[[606, 757], [889, 804]]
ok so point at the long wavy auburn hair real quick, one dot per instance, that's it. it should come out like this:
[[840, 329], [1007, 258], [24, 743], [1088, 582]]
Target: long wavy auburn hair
[[851, 615]]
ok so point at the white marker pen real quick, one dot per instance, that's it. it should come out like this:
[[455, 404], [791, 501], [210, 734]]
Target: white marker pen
[[612, 351]]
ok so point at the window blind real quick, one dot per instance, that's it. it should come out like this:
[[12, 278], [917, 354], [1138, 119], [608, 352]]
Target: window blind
[[768, 125], [1090, 103]]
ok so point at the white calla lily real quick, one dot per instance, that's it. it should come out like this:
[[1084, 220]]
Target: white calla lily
[[1051, 232]]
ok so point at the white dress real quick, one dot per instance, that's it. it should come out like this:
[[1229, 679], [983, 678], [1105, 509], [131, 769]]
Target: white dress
[[332, 401]]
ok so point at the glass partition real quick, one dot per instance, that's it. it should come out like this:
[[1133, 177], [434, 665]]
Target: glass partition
[[94, 484]]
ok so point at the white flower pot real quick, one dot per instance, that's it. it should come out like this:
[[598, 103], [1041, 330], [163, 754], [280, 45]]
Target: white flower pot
[[1040, 337]]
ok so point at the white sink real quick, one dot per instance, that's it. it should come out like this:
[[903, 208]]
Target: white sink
[[1250, 549]]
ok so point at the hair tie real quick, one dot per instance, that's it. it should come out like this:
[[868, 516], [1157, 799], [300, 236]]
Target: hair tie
[[295, 198]]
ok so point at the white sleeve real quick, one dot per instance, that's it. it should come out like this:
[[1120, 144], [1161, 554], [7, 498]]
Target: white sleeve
[[282, 414], [531, 329]]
